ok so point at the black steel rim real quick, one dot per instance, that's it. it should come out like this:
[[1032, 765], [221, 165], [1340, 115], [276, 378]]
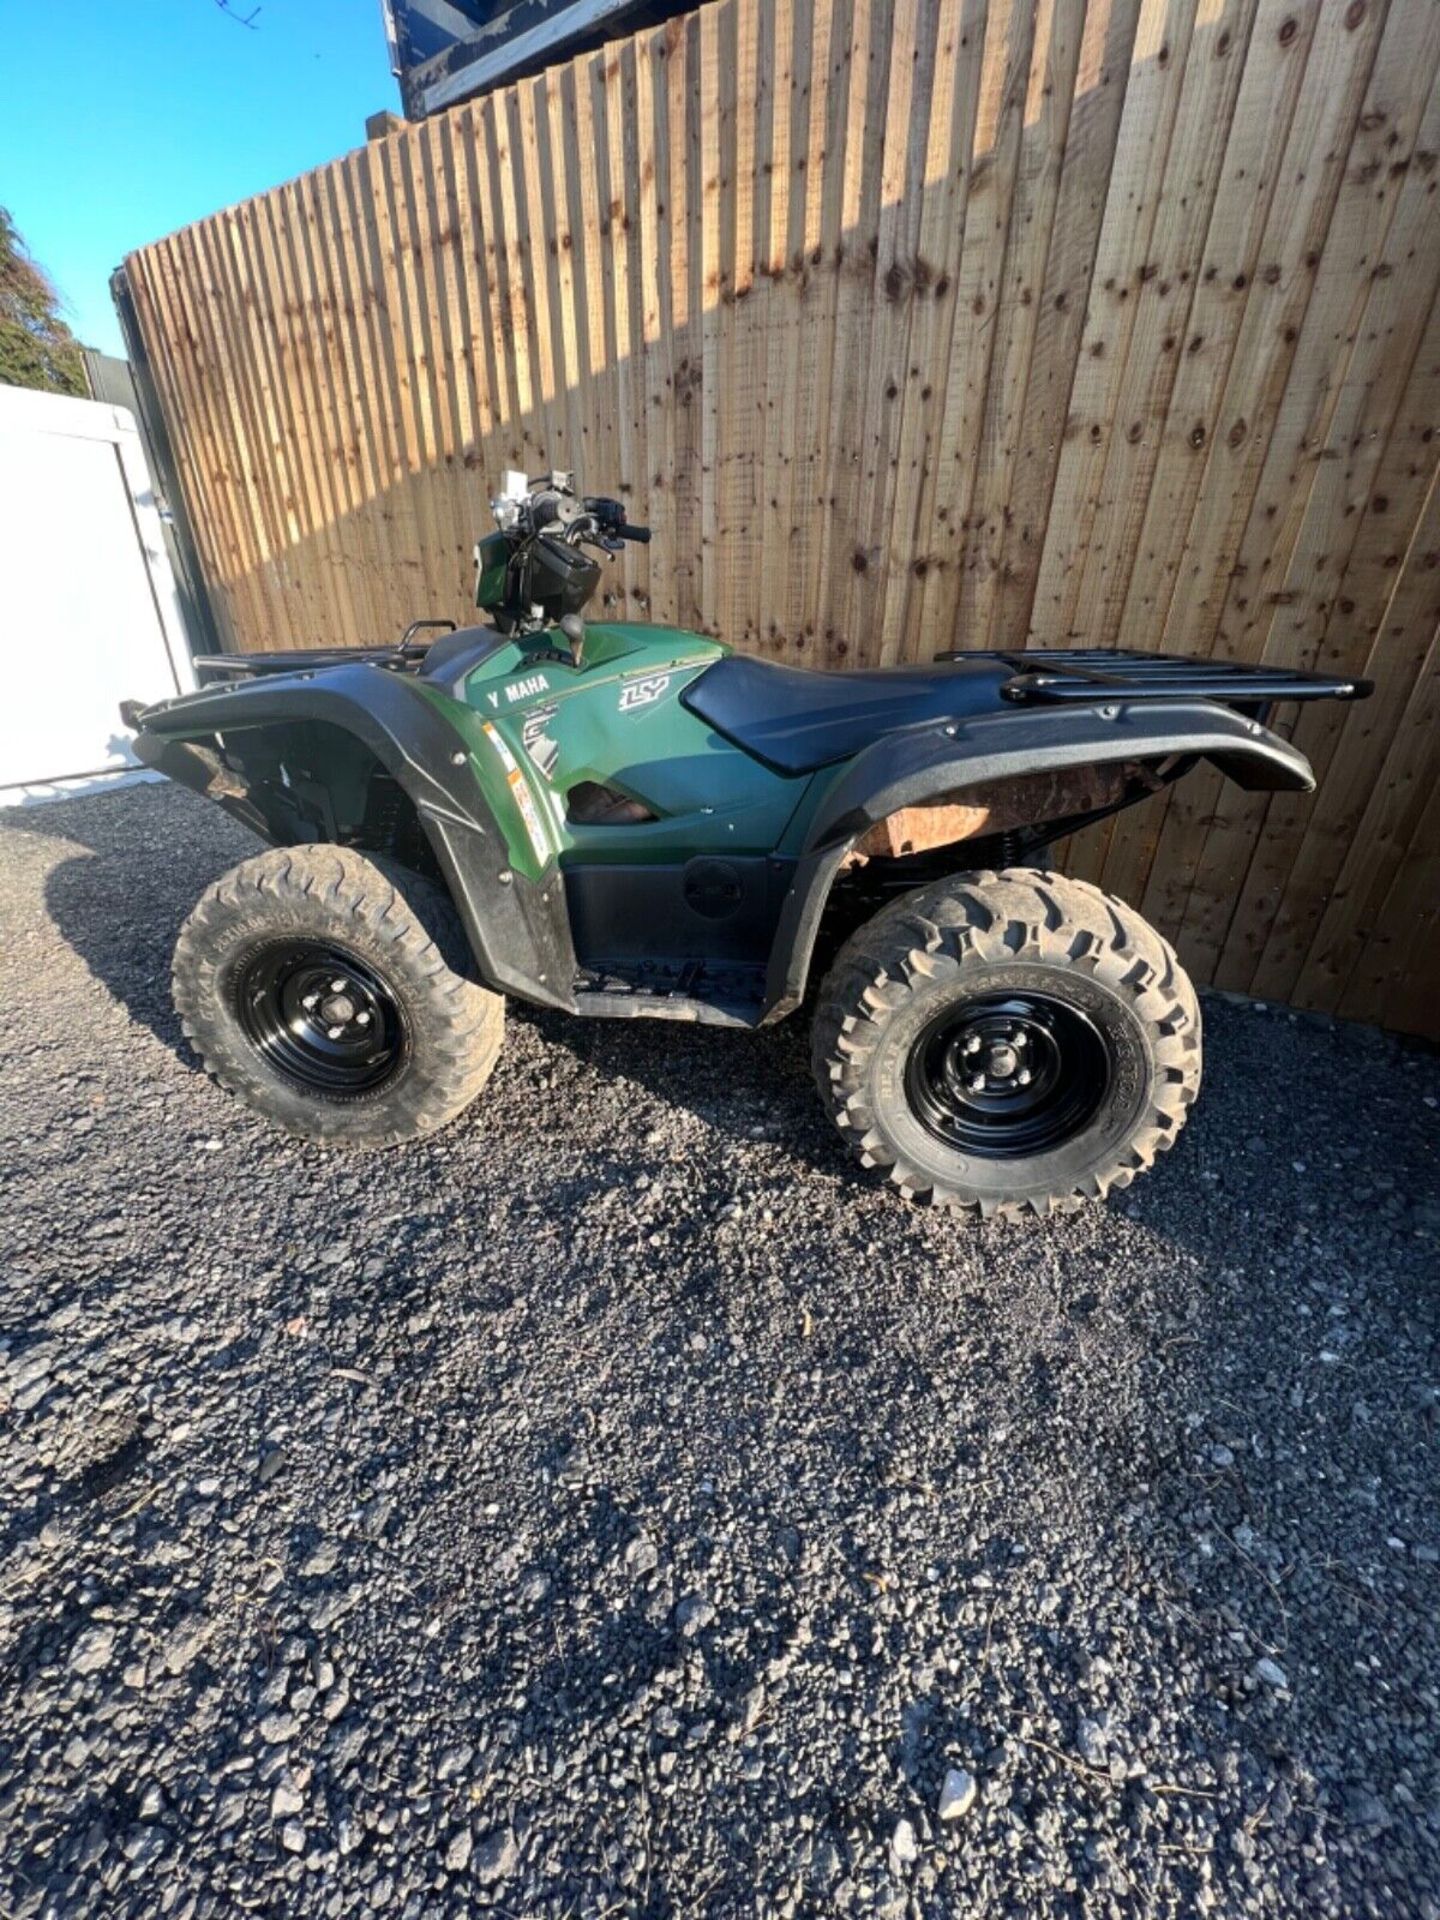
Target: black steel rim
[[321, 1017], [1008, 1076]]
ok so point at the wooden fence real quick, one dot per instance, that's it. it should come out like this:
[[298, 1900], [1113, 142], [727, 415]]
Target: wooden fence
[[906, 324]]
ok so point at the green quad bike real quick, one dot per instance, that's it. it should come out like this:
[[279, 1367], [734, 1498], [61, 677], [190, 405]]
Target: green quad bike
[[617, 819]]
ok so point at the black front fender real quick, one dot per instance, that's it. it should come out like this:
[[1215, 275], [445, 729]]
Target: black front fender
[[908, 768], [518, 929]]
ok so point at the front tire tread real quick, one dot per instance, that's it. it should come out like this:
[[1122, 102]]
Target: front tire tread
[[402, 919]]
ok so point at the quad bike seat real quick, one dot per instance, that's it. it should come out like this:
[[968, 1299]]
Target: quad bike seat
[[796, 719]]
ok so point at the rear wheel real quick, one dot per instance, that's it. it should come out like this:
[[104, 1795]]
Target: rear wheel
[[1008, 1042], [333, 993]]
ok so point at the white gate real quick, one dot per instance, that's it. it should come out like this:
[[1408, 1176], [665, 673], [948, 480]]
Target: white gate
[[88, 609]]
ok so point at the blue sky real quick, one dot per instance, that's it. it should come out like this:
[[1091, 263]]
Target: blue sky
[[124, 119]]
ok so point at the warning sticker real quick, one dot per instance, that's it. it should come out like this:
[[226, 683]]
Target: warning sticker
[[524, 799]]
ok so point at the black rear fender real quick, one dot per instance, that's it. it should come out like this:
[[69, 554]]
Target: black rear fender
[[362, 757], [1018, 745]]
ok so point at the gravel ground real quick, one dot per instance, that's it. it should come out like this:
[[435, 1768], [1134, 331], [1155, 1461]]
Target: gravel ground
[[620, 1505]]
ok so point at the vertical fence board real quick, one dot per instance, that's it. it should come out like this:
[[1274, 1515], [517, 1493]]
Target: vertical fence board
[[994, 169], [1385, 607], [1048, 104]]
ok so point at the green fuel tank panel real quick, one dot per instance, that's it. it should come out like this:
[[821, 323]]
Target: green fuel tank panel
[[541, 726]]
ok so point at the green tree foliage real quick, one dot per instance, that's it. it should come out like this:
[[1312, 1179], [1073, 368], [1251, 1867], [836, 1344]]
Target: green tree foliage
[[37, 349]]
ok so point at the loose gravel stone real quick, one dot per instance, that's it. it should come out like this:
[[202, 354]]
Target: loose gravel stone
[[184, 1643], [957, 1794], [694, 1614], [142, 1847], [30, 1368], [1090, 1739], [667, 1512], [285, 1800], [92, 1650], [321, 1561], [641, 1556], [496, 1857]]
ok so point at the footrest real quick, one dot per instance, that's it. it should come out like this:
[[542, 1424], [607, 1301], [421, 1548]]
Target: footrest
[[724, 996]]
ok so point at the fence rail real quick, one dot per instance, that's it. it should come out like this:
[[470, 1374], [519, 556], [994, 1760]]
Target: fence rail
[[906, 324]]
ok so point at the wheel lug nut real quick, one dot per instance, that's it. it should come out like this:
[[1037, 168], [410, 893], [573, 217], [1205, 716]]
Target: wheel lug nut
[[1017, 1039], [334, 1032], [1023, 1076], [977, 1084], [311, 1000], [363, 1019], [973, 1044], [338, 986]]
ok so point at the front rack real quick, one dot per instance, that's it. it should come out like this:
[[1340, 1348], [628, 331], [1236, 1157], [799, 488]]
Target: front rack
[[1109, 673]]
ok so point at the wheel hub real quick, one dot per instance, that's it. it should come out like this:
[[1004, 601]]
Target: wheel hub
[[1004, 1062], [321, 1017], [1003, 1077]]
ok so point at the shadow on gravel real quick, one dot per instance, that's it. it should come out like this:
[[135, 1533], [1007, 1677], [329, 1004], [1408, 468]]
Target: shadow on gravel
[[750, 1085], [120, 904], [653, 1052]]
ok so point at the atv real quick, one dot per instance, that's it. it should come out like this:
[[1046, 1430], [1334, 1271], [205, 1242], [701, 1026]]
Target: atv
[[634, 821]]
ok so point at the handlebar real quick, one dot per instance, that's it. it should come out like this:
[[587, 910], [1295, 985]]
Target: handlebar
[[610, 514], [551, 508]]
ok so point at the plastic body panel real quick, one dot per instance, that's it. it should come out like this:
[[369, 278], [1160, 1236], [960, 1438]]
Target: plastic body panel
[[618, 720], [733, 855], [906, 769], [516, 921]]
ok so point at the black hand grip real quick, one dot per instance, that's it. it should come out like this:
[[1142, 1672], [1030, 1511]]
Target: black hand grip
[[627, 532]]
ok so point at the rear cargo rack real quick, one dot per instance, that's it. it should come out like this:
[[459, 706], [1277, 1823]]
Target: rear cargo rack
[[407, 652], [1109, 673]]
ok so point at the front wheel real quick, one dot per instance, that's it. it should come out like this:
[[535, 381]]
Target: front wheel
[[332, 992], [1008, 1042]]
